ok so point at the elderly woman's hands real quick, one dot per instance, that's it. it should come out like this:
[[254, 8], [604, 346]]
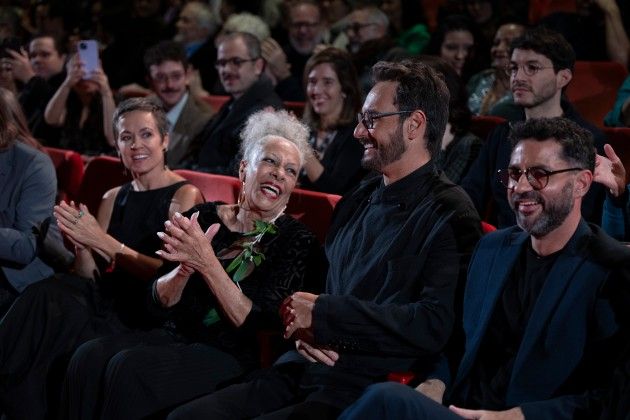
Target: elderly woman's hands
[[186, 243], [78, 224]]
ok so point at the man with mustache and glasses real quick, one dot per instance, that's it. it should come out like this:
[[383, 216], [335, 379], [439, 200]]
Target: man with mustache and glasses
[[546, 303], [169, 72], [397, 249], [240, 66], [541, 66]]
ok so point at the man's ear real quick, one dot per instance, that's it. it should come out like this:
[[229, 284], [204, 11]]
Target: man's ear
[[416, 125], [259, 65], [563, 77], [583, 182]]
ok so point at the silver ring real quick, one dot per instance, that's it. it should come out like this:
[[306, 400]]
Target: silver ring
[[74, 222]]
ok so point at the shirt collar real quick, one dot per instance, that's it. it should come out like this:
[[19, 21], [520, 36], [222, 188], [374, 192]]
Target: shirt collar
[[406, 188], [173, 115]]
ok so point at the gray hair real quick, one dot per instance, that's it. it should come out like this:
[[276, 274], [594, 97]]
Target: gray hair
[[204, 16], [376, 15], [246, 22], [264, 125]]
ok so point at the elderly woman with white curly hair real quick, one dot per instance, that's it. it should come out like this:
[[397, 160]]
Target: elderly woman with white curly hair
[[235, 265]]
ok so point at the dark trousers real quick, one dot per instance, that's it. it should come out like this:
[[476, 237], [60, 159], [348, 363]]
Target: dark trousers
[[134, 375], [391, 400], [287, 390], [37, 336]]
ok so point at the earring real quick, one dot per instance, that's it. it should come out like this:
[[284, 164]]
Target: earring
[[165, 159], [241, 194]]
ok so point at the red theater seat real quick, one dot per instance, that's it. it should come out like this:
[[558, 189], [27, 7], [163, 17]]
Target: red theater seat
[[213, 187], [216, 101], [482, 125], [69, 168], [593, 88], [314, 209], [101, 174]]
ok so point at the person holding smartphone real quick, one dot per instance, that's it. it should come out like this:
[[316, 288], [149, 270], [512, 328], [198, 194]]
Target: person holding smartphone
[[83, 105]]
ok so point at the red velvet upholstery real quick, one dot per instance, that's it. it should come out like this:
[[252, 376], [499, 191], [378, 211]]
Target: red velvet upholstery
[[213, 187], [541, 8], [314, 209], [487, 227], [594, 88], [101, 174], [69, 168], [482, 125], [296, 107]]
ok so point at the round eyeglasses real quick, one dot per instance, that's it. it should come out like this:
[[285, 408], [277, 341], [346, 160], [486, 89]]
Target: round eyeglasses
[[538, 178], [529, 69]]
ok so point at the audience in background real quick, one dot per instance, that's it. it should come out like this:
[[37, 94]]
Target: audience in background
[[41, 71], [83, 107], [459, 147], [169, 72], [492, 86], [240, 66], [541, 66], [456, 40], [406, 19], [196, 27], [334, 99], [306, 28]]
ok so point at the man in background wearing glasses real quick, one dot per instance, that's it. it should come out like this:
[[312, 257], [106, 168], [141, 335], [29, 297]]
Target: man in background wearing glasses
[[546, 303], [540, 67], [240, 66], [397, 249]]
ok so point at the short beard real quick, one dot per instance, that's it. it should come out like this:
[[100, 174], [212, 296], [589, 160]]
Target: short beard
[[553, 215], [387, 154]]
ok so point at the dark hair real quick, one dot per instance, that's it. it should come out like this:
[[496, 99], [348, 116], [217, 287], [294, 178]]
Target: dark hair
[[451, 23], [419, 88], [251, 42], [347, 75], [165, 51], [8, 128], [549, 43], [58, 43], [145, 105], [459, 113], [576, 142]]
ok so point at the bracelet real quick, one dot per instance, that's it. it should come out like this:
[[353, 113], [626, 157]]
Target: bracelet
[[122, 247], [112, 263]]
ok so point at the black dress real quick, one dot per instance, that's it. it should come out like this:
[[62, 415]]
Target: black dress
[[53, 317], [139, 374]]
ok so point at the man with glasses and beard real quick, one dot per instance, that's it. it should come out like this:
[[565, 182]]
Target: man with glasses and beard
[[397, 249], [545, 307], [541, 66]]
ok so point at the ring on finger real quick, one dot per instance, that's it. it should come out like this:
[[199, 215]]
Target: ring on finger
[[74, 222], [80, 214]]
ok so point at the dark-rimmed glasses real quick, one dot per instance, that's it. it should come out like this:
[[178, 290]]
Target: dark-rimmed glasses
[[235, 61], [538, 178], [529, 69], [367, 118]]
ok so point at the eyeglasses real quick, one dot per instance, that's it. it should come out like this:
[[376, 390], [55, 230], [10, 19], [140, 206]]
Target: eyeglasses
[[236, 61], [356, 27], [529, 69], [367, 118], [538, 178]]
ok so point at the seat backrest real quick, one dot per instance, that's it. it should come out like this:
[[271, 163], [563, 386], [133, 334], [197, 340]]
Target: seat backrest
[[213, 187], [314, 209], [101, 174], [482, 125], [296, 107], [69, 168], [593, 89], [619, 139], [216, 101]]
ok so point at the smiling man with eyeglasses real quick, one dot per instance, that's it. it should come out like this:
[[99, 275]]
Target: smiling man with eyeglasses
[[545, 307], [240, 66], [540, 67]]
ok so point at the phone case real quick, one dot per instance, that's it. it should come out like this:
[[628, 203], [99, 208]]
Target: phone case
[[88, 52]]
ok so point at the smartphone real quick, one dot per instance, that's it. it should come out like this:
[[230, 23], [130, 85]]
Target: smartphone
[[88, 53]]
